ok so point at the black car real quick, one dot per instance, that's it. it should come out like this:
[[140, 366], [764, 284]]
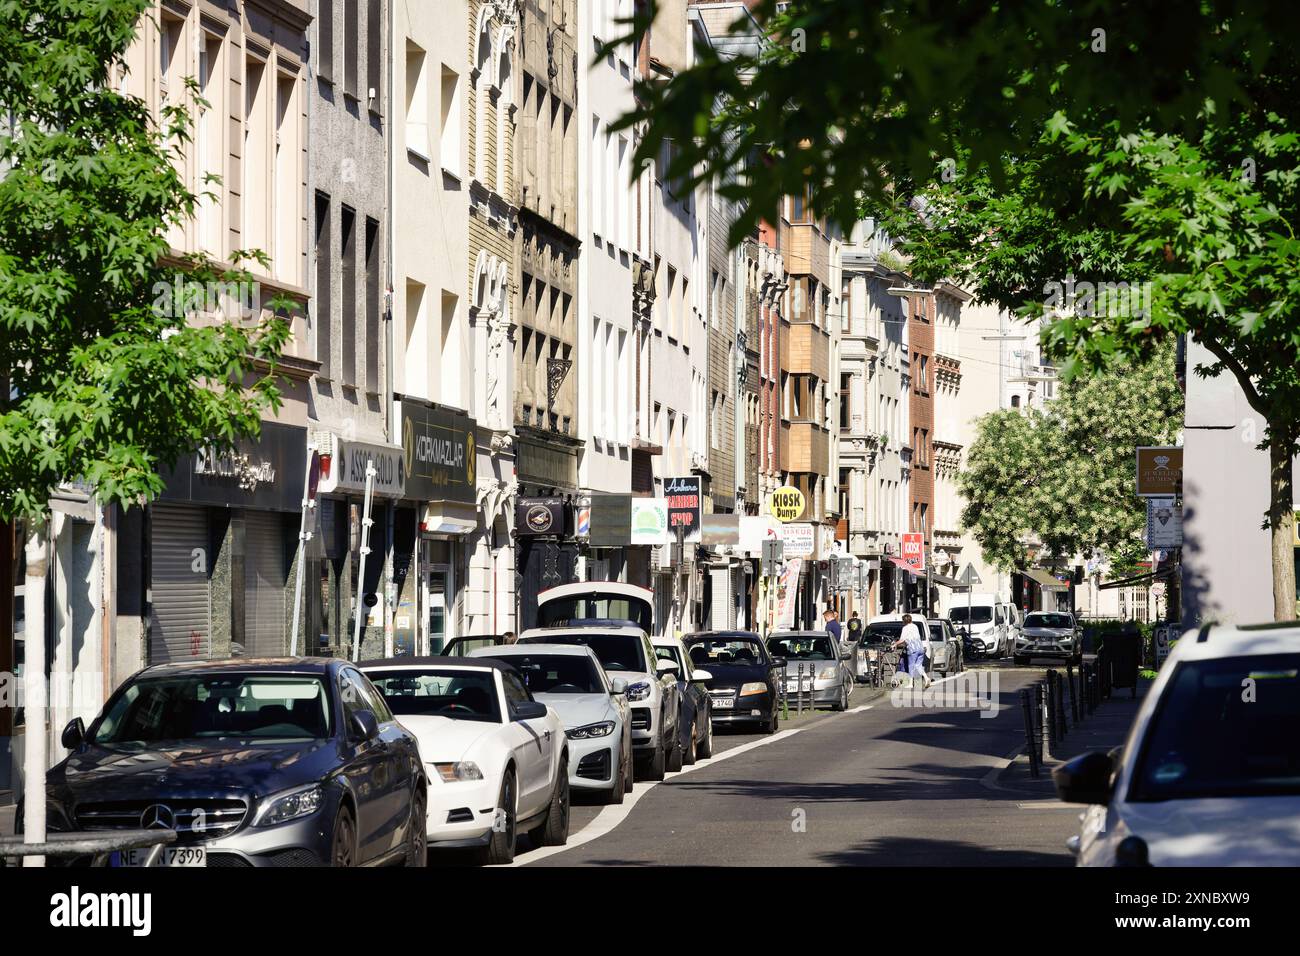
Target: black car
[[695, 708], [743, 686], [290, 762]]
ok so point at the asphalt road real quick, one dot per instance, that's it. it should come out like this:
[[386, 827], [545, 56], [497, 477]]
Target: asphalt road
[[879, 785]]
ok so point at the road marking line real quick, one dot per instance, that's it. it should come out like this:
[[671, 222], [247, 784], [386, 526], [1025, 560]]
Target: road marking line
[[1047, 805], [614, 814]]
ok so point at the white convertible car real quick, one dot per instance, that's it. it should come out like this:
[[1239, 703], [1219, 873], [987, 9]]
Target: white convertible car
[[594, 708], [497, 760]]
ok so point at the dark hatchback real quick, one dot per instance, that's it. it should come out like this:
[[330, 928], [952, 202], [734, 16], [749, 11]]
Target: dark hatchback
[[743, 688], [288, 762]]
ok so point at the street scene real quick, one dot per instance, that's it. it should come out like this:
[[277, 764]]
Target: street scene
[[478, 435]]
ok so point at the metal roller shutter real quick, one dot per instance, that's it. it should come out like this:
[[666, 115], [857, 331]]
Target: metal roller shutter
[[264, 583], [180, 615], [720, 616]]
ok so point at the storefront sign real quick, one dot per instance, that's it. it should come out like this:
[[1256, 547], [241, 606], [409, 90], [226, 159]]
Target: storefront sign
[[649, 521], [611, 521], [535, 517], [786, 504], [800, 540], [343, 468], [682, 496], [438, 451], [913, 552], [266, 474], [1159, 472]]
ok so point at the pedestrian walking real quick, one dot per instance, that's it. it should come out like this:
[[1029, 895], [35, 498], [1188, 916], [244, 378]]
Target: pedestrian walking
[[912, 663], [509, 637], [855, 627], [832, 624]]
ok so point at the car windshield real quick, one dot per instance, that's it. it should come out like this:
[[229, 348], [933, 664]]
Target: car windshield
[[801, 647], [463, 645], [708, 653], [560, 612], [1224, 728], [616, 652], [936, 632], [225, 705], [557, 673], [978, 614], [1048, 620], [444, 692], [884, 632]]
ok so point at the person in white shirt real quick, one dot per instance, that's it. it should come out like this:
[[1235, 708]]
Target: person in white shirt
[[911, 639]]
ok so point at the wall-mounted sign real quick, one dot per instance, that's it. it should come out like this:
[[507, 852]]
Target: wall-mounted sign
[[266, 473], [683, 497], [800, 540], [1164, 524], [611, 521], [1160, 471], [649, 521], [535, 517], [438, 450], [786, 504], [912, 551], [343, 468]]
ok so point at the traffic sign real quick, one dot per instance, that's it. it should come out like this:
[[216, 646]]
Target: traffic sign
[[772, 553], [969, 576]]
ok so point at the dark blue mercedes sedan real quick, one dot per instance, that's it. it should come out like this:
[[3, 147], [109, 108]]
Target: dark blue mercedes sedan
[[287, 762]]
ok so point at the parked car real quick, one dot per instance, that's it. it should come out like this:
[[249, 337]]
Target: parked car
[[695, 722], [828, 678], [290, 762], [1049, 634], [947, 653], [1209, 774], [497, 760], [743, 676], [981, 618], [568, 678], [624, 650], [464, 646]]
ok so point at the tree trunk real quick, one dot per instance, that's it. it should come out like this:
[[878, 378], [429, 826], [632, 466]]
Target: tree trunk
[[35, 698], [1281, 523]]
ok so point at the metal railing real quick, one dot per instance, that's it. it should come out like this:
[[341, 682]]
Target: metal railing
[[97, 844]]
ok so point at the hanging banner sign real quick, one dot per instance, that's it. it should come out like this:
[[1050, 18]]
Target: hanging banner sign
[[649, 521], [787, 586], [1164, 524], [683, 497], [1159, 471], [913, 552]]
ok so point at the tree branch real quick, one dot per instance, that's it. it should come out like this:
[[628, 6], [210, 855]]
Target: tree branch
[[1239, 373]]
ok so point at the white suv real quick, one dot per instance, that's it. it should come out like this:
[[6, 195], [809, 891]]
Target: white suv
[[1210, 773]]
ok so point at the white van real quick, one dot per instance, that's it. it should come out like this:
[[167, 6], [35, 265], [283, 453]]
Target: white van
[[986, 619]]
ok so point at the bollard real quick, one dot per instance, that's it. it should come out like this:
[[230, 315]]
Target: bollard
[[798, 688], [1062, 725], [1040, 732], [1029, 731], [1074, 692], [1049, 706]]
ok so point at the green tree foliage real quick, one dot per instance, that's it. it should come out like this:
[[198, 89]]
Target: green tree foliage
[[1063, 476], [104, 379]]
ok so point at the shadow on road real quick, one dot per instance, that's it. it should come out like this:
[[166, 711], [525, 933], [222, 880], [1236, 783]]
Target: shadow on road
[[918, 851]]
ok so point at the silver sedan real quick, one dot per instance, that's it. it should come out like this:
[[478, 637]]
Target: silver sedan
[[817, 668]]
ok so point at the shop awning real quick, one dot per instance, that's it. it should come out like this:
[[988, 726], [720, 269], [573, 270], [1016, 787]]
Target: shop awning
[[449, 517], [1045, 580], [947, 581], [901, 564]]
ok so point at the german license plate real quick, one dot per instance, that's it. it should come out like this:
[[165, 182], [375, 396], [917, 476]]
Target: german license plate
[[171, 856], [793, 685], [724, 703]]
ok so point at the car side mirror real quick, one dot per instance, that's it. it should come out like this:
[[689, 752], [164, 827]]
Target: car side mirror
[[528, 710], [618, 686], [666, 667], [364, 725], [74, 735], [1085, 779], [846, 653], [778, 662], [699, 675]]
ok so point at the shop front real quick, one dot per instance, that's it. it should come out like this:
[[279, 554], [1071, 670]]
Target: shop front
[[436, 527], [340, 589], [546, 544], [221, 542]]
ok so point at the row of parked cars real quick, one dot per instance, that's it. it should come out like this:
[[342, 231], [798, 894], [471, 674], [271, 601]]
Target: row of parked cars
[[314, 761]]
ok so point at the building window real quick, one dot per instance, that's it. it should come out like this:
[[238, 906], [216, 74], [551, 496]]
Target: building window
[[449, 129], [374, 56], [348, 274], [845, 496], [373, 331], [417, 103], [322, 303], [325, 41], [351, 48]]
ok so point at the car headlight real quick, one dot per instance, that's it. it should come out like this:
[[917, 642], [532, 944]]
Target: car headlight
[[827, 673], [602, 729], [462, 770], [638, 691], [289, 806], [754, 687]]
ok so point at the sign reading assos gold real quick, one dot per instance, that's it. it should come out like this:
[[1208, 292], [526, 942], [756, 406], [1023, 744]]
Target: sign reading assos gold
[[786, 504]]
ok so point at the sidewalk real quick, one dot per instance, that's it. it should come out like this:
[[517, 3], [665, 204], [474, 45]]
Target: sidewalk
[[1105, 728]]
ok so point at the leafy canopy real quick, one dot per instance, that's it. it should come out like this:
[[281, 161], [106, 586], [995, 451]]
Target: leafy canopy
[[107, 381]]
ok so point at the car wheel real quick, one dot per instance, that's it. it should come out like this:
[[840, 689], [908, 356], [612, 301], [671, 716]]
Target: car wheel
[[655, 763], [705, 749], [629, 775], [842, 703], [616, 793], [673, 760], [555, 831], [692, 749], [774, 722], [501, 847], [417, 843], [343, 847]]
